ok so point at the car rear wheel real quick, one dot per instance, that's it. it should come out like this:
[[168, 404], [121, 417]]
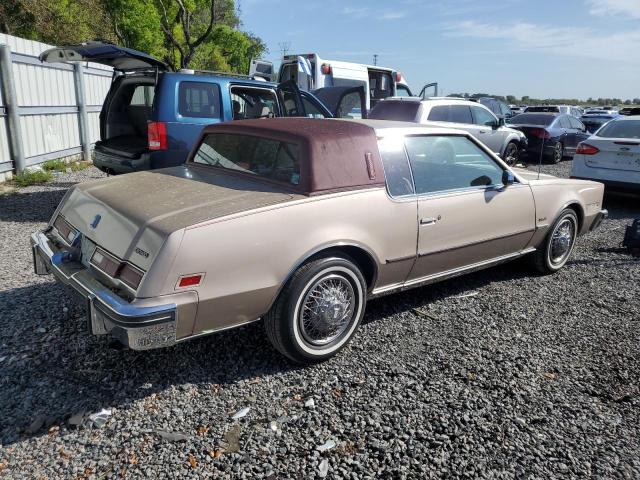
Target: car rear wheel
[[556, 249], [511, 154], [318, 311], [558, 153]]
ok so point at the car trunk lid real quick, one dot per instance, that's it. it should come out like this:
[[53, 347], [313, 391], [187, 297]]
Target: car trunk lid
[[614, 153], [131, 216]]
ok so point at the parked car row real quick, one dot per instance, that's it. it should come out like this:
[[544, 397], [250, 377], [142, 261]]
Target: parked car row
[[611, 155], [472, 117]]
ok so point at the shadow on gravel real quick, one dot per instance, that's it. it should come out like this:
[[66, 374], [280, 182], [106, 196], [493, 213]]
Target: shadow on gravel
[[464, 285], [52, 368], [621, 205], [32, 206]]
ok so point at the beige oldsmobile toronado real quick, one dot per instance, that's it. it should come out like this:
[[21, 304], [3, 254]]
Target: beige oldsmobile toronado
[[298, 222]]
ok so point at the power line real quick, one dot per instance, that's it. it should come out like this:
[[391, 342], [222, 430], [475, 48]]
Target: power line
[[284, 47]]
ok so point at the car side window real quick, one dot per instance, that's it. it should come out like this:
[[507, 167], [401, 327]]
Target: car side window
[[482, 116], [311, 109], [449, 162], [199, 99], [504, 109], [396, 167], [253, 103], [575, 123], [564, 122], [439, 113], [450, 113], [143, 95], [460, 114], [402, 91]]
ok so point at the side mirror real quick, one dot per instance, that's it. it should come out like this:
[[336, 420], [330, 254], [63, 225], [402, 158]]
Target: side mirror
[[508, 178], [502, 121]]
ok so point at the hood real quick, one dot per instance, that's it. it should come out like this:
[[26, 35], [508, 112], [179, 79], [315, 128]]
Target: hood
[[138, 211]]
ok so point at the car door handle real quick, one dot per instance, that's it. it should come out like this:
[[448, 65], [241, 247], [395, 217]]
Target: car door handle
[[428, 221]]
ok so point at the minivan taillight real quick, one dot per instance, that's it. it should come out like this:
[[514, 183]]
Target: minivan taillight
[[157, 134], [398, 77], [586, 149]]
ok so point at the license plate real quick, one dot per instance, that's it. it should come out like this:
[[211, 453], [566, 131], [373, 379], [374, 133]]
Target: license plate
[[87, 247]]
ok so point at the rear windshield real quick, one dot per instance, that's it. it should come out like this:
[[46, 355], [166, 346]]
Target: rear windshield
[[620, 129], [531, 119], [403, 111], [543, 109], [259, 156]]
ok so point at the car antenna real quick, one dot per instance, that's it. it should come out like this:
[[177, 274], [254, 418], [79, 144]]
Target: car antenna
[[540, 159]]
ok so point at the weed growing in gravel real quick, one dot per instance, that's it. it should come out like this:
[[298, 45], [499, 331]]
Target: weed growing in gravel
[[62, 166], [54, 165], [34, 177], [78, 166]]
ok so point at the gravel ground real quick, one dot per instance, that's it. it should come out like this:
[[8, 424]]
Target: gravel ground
[[498, 374]]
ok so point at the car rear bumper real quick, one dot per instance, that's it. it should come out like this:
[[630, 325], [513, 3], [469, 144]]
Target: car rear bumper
[[138, 327], [111, 163]]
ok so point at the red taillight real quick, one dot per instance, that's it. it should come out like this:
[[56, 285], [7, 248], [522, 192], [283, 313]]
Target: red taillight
[[157, 133], [398, 77], [540, 133], [586, 149], [130, 275], [325, 69], [190, 280]]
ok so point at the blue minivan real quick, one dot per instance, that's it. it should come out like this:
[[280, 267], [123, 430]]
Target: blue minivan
[[152, 117]]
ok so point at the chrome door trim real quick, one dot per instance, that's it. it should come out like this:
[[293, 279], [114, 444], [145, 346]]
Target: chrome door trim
[[449, 273]]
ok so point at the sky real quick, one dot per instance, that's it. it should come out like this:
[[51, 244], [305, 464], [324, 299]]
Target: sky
[[539, 48]]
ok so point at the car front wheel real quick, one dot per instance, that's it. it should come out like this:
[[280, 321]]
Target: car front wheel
[[318, 311], [556, 249]]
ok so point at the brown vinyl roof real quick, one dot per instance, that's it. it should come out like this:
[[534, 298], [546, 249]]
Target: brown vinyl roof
[[334, 154]]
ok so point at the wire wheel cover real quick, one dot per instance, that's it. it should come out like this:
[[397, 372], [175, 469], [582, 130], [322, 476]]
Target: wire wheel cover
[[327, 310], [562, 241]]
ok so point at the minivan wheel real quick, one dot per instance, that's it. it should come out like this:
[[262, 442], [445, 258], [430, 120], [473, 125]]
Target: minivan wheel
[[318, 311], [511, 154], [556, 249]]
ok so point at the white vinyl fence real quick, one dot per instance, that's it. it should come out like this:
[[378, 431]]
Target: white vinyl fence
[[47, 110]]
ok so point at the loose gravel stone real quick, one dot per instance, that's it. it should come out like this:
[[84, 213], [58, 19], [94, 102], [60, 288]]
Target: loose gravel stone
[[530, 377]]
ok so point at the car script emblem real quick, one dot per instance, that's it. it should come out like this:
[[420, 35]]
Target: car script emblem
[[96, 221]]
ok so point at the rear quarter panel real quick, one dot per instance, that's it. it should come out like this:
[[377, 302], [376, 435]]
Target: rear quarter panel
[[553, 195], [248, 257]]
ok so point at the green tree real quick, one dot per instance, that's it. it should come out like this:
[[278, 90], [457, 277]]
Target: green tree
[[55, 21]]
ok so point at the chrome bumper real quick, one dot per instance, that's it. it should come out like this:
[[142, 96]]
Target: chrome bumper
[[139, 328]]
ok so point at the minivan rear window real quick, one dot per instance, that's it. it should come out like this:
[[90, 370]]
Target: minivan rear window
[[199, 99], [264, 157], [389, 110]]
